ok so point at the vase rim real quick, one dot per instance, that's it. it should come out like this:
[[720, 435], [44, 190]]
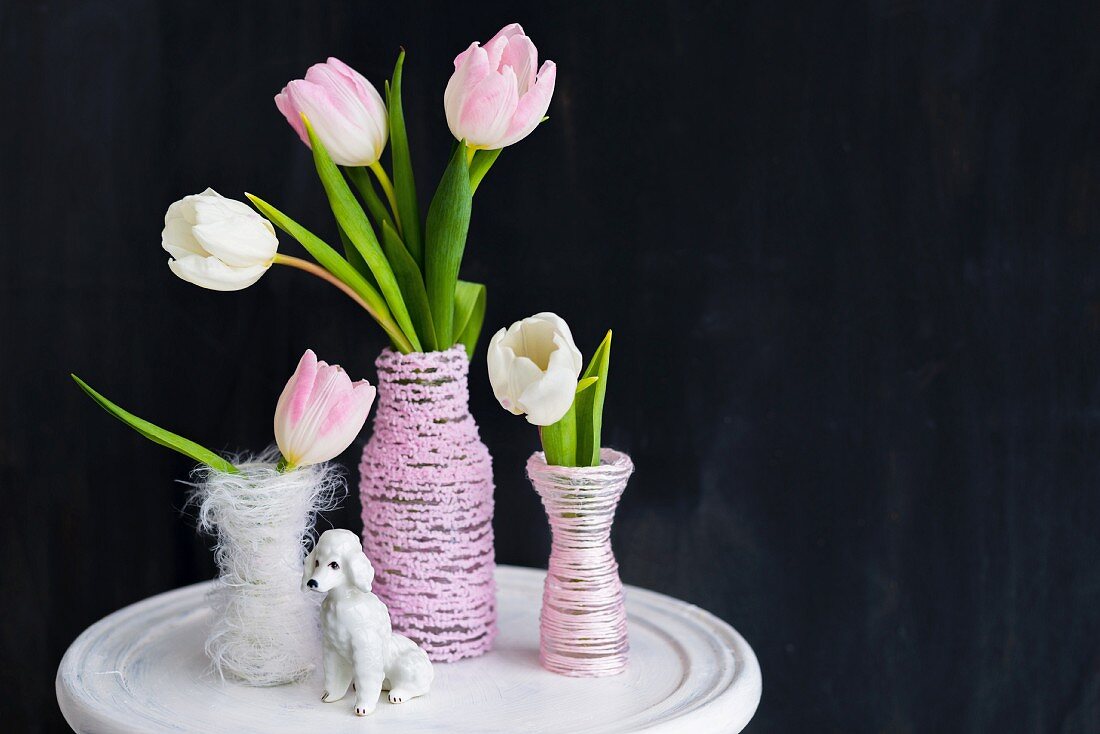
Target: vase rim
[[251, 464], [610, 459], [393, 353]]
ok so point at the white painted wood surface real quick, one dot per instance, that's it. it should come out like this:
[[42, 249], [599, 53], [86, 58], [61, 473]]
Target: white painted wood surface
[[142, 669]]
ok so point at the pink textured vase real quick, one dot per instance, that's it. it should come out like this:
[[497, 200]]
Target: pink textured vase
[[426, 486], [582, 627]]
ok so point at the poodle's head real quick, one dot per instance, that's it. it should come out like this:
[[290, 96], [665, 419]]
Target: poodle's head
[[337, 560]]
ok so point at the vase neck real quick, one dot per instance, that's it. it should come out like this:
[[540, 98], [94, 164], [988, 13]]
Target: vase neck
[[581, 499]]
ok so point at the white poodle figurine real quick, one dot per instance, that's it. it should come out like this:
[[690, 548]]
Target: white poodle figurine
[[360, 648]]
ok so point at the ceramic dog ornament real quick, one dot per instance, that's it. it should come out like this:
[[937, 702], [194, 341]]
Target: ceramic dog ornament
[[360, 649]]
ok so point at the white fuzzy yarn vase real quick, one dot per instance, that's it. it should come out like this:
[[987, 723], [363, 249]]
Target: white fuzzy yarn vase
[[265, 630]]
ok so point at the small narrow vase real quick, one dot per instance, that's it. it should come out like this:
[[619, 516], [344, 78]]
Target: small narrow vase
[[582, 627], [426, 486], [264, 630]]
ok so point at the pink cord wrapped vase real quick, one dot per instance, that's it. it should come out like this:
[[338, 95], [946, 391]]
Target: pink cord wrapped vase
[[426, 486], [582, 627]]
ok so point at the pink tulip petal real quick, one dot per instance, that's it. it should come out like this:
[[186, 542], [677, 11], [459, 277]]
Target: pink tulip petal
[[363, 90], [292, 114], [468, 74], [484, 100], [345, 420], [338, 88], [489, 109], [532, 107], [461, 58], [345, 110], [371, 106], [508, 31], [347, 143], [495, 50], [344, 70], [313, 409], [345, 406], [523, 57], [319, 434], [358, 104], [301, 386], [333, 380]]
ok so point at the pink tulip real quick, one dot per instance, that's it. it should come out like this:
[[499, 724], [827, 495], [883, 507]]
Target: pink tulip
[[320, 412], [346, 112], [494, 97]]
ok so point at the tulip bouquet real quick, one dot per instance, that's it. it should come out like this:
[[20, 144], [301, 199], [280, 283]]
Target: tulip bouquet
[[426, 481], [402, 271], [261, 509]]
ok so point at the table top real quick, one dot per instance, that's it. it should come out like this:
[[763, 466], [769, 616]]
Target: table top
[[143, 669]]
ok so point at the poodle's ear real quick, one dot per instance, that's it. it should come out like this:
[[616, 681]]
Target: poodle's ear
[[360, 572], [307, 567]]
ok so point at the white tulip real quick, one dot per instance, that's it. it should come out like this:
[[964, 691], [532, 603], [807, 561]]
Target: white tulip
[[217, 243], [533, 367]]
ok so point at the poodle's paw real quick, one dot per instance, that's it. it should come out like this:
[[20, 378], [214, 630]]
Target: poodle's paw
[[362, 709], [330, 697], [399, 696]]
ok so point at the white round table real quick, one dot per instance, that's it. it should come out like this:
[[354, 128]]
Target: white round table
[[143, 669]]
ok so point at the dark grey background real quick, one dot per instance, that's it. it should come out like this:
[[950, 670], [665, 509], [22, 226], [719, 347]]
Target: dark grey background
[[850, 251]]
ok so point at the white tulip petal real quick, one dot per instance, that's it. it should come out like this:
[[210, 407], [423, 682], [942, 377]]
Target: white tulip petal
[[547, 400], [211, 273], [179, 253], [238, 241], [210, 206], [523, 374], [183, 209], [566, 356], [177, 235], [533, 367], [562, 328], [499, 360]]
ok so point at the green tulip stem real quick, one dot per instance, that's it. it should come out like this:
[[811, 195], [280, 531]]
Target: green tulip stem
[[387, 188]]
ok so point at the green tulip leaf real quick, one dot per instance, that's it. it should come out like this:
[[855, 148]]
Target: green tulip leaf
[[156, 434], [469, 314], [404, 186], [354, 258], [331, 261], [559, 440], [353, 220], [412, 285], [445, 241], [586, 383], [590, 406]]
